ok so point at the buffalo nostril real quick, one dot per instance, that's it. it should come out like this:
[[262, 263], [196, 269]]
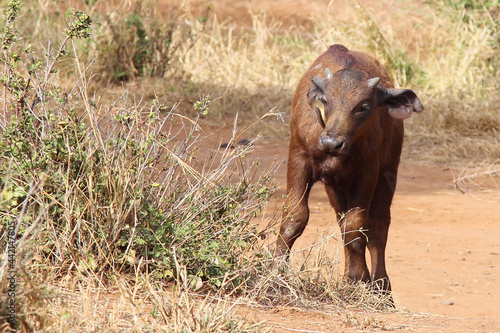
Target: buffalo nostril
[[331, 144], [338, 145]]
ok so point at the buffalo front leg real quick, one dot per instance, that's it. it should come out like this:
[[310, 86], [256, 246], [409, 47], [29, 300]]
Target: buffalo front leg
[[353, 226], [353, 223], [296, 211]]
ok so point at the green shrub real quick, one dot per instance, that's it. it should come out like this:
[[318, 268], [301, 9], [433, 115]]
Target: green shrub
[[115, 190]]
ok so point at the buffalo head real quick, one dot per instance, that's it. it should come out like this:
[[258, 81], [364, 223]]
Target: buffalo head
[[346, 102]]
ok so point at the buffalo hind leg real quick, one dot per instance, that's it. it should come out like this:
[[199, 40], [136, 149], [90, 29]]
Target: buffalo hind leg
[[380, 219], [377, 243]]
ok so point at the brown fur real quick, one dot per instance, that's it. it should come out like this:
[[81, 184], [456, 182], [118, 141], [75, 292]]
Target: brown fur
[[359, 177]]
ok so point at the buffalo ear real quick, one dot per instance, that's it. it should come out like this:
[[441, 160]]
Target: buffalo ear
[[316, 97], [317, 89], [400, 102]]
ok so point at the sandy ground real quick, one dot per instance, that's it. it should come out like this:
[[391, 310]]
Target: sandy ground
[[443, 256]]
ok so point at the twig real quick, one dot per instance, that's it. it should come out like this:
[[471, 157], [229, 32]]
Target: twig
[[297, 330]]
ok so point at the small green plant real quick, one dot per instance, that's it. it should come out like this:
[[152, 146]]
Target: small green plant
[[139, 44], [402, 69], [81, 25]]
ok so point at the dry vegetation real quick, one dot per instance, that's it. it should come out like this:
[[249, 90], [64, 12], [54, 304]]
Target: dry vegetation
[[122, 224]]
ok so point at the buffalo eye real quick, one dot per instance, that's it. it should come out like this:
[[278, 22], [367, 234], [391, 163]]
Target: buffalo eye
[[364, 107]]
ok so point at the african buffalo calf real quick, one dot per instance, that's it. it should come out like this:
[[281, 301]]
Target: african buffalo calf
[[347, 132]]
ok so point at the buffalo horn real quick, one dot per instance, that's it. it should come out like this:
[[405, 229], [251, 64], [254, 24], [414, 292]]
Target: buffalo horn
[[328, 73], [373, 82]]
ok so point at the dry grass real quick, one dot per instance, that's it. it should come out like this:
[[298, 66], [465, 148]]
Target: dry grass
[[477, 176], [137, 305], [129, 304]]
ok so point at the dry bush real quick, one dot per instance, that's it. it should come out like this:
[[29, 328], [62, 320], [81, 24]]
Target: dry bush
[[139, 44]]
